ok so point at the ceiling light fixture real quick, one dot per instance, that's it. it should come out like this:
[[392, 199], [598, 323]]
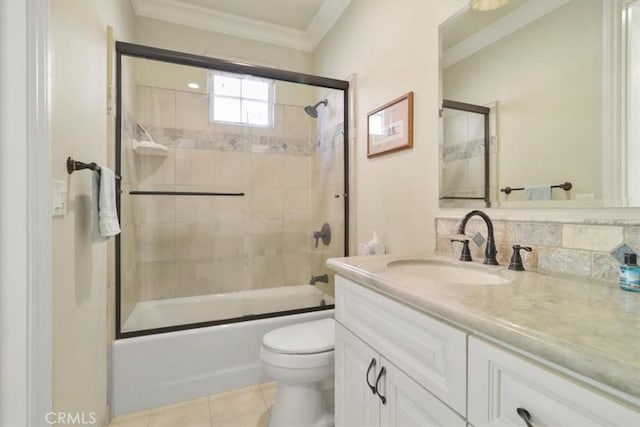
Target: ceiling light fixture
[[484, 5], [193, 85]]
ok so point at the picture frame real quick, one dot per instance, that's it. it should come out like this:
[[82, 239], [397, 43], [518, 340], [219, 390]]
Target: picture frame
[[390, 127]]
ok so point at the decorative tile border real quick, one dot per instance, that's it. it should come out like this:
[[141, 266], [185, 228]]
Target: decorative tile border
[[240, 141], [230, 141], [467, 150], [583, 248]]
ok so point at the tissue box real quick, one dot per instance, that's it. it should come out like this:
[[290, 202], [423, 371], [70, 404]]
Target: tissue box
[[371, 249]]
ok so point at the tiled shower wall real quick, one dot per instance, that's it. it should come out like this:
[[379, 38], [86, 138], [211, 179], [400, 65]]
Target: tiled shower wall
[[581, 248], [194, 245], [129, 265], [129, 271]]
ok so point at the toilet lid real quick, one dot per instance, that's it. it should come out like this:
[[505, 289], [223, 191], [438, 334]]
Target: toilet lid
[[303, 338]]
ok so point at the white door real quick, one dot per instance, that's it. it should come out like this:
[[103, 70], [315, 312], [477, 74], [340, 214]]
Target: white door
[[407, 404], [356, 368]]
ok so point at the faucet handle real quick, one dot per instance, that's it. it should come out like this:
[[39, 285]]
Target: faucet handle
[[516, 259], [465, 255], [324, 233]]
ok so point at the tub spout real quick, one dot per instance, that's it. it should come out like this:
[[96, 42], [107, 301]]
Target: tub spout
[[315, 279]]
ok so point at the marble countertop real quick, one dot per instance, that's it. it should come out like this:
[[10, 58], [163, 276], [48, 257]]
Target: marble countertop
[[588, 326]]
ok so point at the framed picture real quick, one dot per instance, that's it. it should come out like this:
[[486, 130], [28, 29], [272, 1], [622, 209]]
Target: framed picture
[[390, 127]]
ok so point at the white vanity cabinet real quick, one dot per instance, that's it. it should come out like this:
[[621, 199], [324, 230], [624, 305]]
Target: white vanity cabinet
[[397, 366], [394, 365]]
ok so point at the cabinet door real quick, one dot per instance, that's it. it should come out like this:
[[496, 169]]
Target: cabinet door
[[431, 352], [409, 405], [501, 383], [356, 363]]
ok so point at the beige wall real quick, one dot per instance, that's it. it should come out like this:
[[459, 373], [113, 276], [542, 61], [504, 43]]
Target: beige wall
[[79, 43], [165, 35], [392, 46]]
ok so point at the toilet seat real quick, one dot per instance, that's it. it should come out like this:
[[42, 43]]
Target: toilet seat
[[296, 361], [302, 339]]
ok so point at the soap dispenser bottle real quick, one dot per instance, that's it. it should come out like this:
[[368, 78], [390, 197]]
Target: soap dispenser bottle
[[630, 273]]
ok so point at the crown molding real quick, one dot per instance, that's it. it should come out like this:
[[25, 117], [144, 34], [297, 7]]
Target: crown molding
[[220, 22], [525, 14], [328, 14]]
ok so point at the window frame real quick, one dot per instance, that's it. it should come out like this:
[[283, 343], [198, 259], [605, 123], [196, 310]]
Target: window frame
[[242, 77]]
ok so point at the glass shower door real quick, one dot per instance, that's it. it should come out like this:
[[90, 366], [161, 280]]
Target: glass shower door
[[225, 179]]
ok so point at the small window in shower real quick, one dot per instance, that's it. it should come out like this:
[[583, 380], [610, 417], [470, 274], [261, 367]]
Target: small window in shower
[[241, 100]]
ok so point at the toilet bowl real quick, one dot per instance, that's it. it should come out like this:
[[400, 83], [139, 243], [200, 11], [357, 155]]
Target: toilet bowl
[[300, 358]]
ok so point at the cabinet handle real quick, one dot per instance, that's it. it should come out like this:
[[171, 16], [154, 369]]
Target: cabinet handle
[[524, 414], [383, 398], [371, 366]]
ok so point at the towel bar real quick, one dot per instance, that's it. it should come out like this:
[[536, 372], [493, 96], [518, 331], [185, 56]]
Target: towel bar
[[566, 186], [182, 193], [74, 165]]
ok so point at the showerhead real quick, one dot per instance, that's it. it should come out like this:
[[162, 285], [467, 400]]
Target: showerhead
[[312, 111]]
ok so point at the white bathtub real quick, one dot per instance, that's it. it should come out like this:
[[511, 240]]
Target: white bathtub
[[155, 370], [180, 311]]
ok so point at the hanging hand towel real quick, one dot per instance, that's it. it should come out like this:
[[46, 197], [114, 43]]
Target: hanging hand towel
[[537, 192], [106, 215]]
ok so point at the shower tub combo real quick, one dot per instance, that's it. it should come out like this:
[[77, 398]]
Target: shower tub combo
[[218, 218], [158, 369]]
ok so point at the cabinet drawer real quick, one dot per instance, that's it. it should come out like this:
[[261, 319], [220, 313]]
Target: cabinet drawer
[[501, 382], [429, 351]]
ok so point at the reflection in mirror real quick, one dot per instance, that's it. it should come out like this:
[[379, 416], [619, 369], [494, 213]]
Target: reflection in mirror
[[559, 110], [465, 167]]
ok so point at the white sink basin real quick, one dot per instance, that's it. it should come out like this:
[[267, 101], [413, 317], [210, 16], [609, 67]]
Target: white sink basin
[[448, 272]]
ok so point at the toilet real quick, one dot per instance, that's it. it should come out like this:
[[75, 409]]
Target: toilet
[[300, 358]]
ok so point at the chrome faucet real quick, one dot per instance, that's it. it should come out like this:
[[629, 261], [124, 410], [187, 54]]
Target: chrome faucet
[[315, 279], [490, 251]]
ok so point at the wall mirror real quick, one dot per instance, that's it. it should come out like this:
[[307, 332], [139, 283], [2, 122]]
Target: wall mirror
[[560, 78]]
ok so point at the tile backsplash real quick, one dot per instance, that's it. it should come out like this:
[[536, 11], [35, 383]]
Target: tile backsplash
[[578, 247]]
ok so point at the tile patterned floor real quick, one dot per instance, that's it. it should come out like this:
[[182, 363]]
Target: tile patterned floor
[[247, 407]]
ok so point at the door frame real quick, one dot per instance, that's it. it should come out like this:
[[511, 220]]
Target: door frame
[[26, 383]]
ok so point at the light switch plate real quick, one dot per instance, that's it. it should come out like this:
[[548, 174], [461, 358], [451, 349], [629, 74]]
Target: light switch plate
[[59, 197]]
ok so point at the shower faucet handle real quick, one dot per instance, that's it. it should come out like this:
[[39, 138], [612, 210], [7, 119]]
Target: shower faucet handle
[[324, 234]]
